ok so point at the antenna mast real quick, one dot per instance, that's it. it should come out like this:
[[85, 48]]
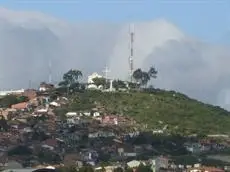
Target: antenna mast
[[50, 71], [131, 33]]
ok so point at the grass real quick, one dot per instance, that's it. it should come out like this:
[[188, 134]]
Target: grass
[[158, 108]]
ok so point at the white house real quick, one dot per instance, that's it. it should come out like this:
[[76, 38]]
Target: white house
[[71, 114], [96, 114], [90, 80], [133, 163]]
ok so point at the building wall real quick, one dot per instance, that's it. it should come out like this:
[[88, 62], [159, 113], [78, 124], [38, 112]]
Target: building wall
[[91, 77]]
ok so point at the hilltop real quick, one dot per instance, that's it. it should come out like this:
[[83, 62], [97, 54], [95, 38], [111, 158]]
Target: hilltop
[[157, 109]]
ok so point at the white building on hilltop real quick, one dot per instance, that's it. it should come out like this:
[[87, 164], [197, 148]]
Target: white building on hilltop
[[90, 80]]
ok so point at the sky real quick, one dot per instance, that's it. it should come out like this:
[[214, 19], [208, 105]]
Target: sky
[[208, 20], [189, 39]]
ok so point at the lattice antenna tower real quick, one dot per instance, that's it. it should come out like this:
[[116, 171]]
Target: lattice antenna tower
[[50, 71], [131, 33]]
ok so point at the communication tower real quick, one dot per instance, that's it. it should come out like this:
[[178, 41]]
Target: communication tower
[[131, 33]]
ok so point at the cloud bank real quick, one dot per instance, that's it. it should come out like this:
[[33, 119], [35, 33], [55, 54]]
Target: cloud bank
[[29, 40]]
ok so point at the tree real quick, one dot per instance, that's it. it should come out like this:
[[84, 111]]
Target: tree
[[152, 72], [71, 80], [145, 78], [137, 75], [3, 124], [143, 168], [142, 77], [119, 84], [22, 99], [20, 150], [87, 168], [48, 157], [72, 76], [99, 81], [119, 169], [8, 100]]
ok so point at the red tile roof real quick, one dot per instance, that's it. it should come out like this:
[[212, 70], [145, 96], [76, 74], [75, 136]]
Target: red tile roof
[[20, 106]]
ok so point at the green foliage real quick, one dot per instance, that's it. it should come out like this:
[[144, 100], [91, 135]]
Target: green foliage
[[99, 81], [143, 77], [71, 80], [68, 169], [72, 76], [119, 84], [143, 168], [20, 150], [9, 100], [182, 114], [49, 157], [60, 112], [119, 169], [3, 124], [22, 99], [87, 168]]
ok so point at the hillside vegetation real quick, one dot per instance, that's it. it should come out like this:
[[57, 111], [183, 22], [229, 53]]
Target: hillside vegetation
[[152, 108], [158, 108]]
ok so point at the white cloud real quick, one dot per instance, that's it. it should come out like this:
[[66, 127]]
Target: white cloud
[[29, 39]]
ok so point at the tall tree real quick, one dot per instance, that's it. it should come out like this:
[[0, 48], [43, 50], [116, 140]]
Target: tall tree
[[152, 72], [137, 75], [71, 80], [72, 76], [143, 77]]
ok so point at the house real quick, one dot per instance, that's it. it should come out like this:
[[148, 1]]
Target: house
[[20, 106], [133, 164], [161, 162], [14, 165], [205, 169], [89, 155], [45, 87], [109, 168], [73, 120], [50, 144], [72, 159], [20, 170], [110, 120], [42, 111], [98, 134], [96, 114], [55, 104], [30, 93], [193, 147], [3, 160], [70, 114]]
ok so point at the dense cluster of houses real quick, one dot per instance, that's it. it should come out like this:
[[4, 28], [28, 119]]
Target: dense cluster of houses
[[35, 135]]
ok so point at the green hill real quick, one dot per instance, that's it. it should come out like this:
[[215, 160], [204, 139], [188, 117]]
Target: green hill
[[158, 108]]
